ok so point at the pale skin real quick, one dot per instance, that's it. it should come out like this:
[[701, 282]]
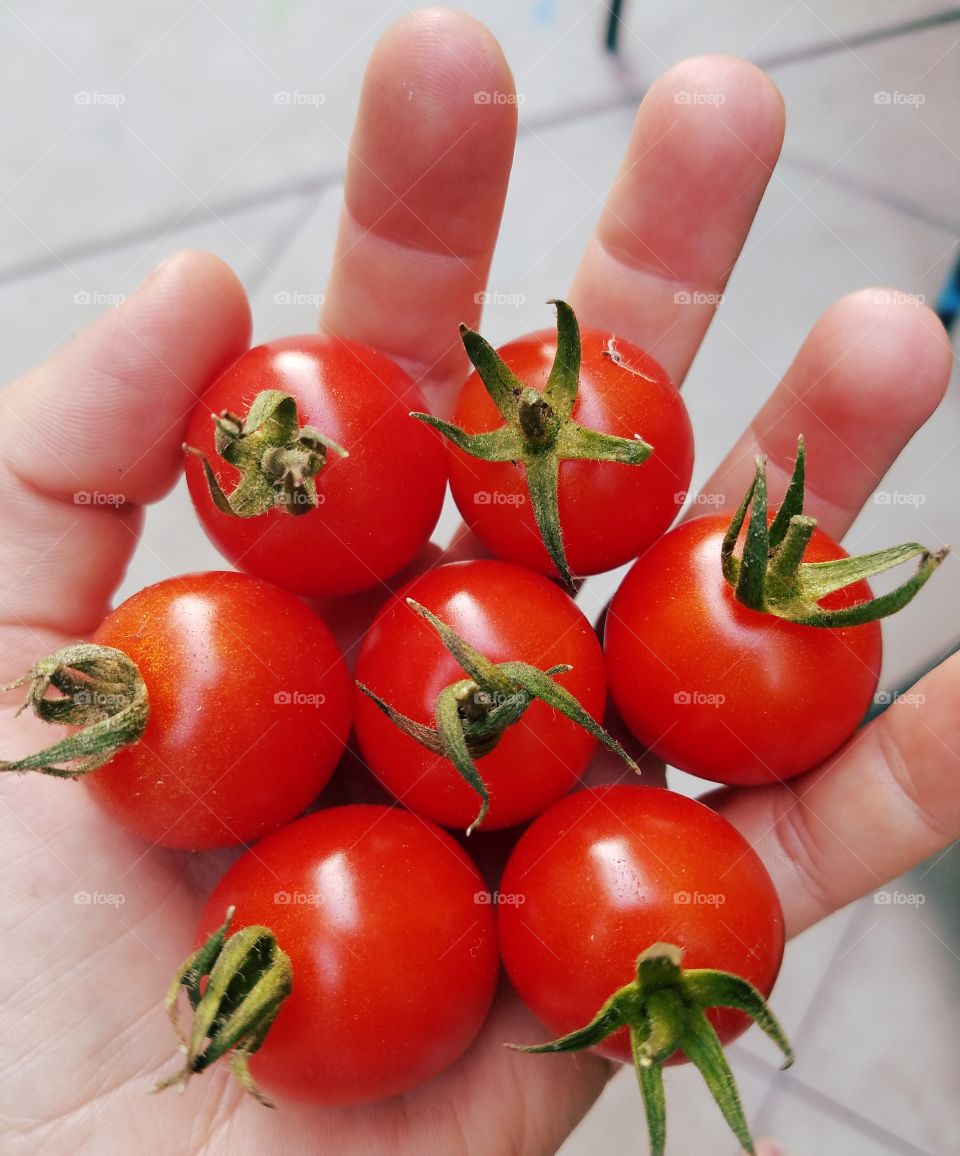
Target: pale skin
[[82, 1030]]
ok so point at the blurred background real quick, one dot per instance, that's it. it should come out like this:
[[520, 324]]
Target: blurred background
[[134, 130]]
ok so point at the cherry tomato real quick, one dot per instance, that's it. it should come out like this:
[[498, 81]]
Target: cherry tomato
[[723, 691], [508, 614], [609, 513], [249, 711], [375, 508], [607, 873], [391, 937]]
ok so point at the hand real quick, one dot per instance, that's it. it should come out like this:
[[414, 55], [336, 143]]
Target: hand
[[80, 1016]]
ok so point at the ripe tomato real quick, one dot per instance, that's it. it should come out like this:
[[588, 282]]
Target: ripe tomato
[[609, 513], [723, 691], [607, 873], [376, 508], [393, 951], [249, 711], [508, 614]]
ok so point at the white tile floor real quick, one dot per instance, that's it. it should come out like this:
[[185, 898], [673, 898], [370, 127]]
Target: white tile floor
[[201, 153]]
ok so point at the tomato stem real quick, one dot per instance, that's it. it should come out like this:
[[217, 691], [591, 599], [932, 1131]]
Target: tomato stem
[[538, 428], [248, 977], [100, 691], [471, 715], [772, 578], [277, 458], [663, 1011]]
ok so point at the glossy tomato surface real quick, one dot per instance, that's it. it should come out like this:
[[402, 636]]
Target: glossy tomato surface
[[250, 706], [609, 513], [377, 507], [607, 873], [394, 956], [509, 614], [723, 691]]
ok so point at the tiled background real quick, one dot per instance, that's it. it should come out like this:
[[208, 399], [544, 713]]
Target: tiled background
[[94, 192]]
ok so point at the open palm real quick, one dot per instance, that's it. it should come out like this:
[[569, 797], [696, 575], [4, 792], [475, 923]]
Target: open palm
[[82, 1030]]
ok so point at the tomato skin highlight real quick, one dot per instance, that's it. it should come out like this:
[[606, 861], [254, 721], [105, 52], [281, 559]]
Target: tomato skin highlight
[[609, 513], [224, 759], [394, 959], [509, 614], [725, 692], [377, 507], [608, 872]]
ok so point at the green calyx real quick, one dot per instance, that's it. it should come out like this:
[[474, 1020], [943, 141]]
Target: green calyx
[[772, 577], [538, 429], [663, 1010], [278, 458], [247, 978], [470, 716], [100, 691]]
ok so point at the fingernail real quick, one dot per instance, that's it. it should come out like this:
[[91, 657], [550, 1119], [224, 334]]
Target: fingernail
[[770, 1148]]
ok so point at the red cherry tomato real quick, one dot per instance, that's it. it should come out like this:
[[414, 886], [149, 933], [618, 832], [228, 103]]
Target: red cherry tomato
[[249, 711], [609, 513], [393, 951], [607, 873], [508, 614], [723, 691], [377, 507]]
